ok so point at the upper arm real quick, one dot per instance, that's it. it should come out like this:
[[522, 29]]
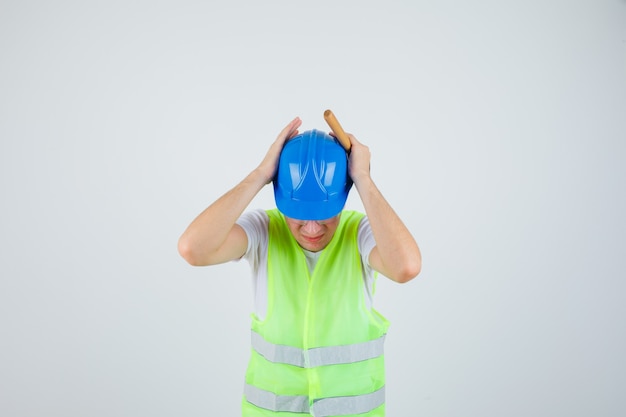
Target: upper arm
[[234, 247], [367, 246], [246, 237], [398, 265], [398, 270], [376, 262]]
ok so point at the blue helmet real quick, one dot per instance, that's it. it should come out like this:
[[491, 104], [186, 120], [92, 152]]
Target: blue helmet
[[312, 181]]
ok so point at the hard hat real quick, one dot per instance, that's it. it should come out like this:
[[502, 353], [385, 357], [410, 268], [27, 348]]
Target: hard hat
[[312, 181]]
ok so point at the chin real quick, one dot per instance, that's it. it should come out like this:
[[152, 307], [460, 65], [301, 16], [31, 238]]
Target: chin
[[312, 247]]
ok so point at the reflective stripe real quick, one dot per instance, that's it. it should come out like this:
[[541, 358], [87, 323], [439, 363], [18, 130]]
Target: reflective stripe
[[357, 352], [273, 402], [342, 406], [277, 353], [320, 356], [323, 407]]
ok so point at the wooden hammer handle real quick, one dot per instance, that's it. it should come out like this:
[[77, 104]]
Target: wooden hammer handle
[[337, 130]]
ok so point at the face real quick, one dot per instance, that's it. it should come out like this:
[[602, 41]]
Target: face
[[313, 235]]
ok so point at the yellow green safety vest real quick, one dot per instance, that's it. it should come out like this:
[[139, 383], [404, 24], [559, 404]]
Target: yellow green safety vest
[[319, 349]]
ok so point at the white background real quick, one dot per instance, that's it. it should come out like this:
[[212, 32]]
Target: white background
[[497, 131]]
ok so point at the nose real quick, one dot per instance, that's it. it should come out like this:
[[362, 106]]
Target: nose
[[311, 227]]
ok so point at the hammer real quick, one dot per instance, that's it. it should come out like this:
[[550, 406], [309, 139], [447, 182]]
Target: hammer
[[337, 130]]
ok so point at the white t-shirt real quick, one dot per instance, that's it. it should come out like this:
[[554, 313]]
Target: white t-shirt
[[255, 223]]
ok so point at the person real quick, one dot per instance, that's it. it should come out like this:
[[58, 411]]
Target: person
[[317, 341]]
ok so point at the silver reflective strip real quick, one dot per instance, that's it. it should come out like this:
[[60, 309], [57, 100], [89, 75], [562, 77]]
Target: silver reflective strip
[[324, 407], [320, 356], [342, 406], [334, 355], [273, 402], [277, 353]]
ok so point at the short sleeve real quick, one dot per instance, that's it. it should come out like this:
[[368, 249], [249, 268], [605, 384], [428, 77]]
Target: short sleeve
[[366, 240], [255, 224]]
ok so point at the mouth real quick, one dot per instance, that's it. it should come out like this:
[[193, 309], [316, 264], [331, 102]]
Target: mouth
[[312, 239]]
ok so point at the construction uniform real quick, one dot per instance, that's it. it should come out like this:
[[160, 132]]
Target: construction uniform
[[318, 348]]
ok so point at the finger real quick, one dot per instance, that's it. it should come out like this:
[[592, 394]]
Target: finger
[[353, 139], [295, 123], [288, 131]]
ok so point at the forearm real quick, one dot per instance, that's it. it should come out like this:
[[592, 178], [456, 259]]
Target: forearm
[[398, 255], [212, 237], [209, 230]]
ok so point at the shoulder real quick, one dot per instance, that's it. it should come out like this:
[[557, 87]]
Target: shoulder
[[351, 220], [253, 218], [254, 223], [358, 223], [352, 215]]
